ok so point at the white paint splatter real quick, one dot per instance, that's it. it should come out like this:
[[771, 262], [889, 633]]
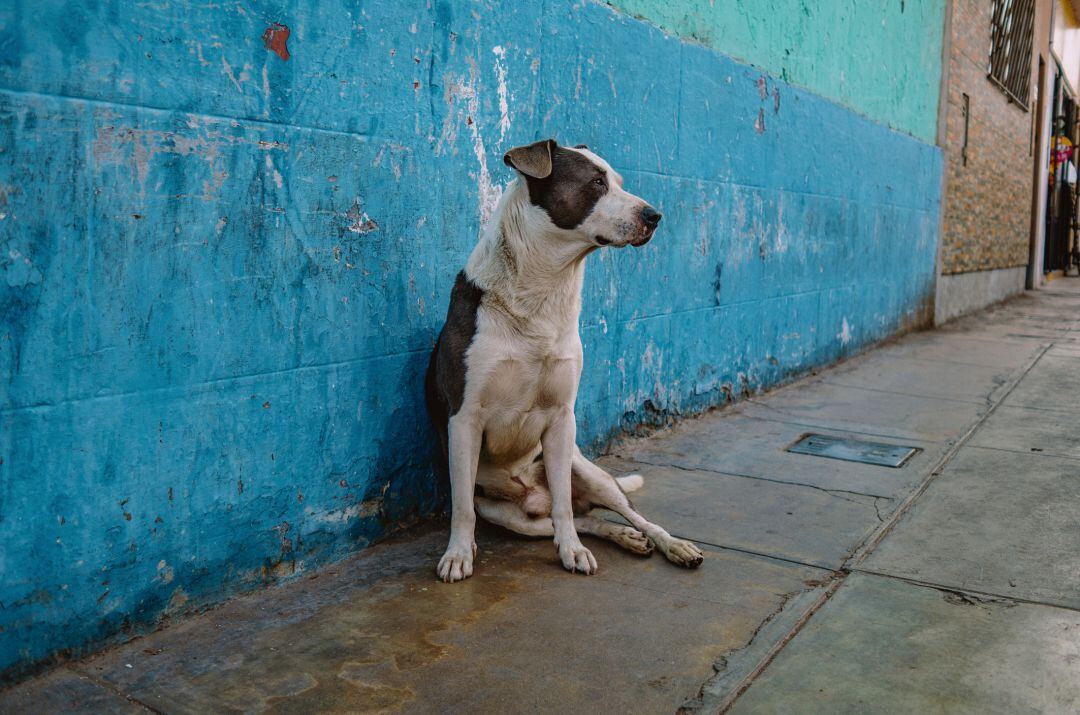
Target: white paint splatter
[[504, 104], [363, 510], [230, 75], [780, 243], [460, 91], [489, 193], [266, 91], [276, 175], [845, 333]]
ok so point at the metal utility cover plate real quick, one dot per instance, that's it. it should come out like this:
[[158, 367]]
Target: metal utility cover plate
[[853, 450]]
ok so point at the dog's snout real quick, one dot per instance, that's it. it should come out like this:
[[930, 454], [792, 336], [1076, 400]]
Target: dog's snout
[[650, 216]]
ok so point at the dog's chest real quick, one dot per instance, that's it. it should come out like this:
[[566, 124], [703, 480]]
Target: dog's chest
[[524, 386]]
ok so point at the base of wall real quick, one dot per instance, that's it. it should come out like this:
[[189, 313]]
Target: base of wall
[[963, 293]]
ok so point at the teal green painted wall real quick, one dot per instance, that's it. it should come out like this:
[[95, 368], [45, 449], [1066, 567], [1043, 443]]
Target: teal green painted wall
[[881, 58]]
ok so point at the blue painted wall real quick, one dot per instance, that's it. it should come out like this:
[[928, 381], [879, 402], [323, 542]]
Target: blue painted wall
[[222, 271]]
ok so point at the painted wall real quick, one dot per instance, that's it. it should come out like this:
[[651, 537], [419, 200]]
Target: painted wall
[[224, 263], [881, 58]]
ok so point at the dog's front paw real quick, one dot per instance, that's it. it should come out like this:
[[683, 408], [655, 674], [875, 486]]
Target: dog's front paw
[[576, 558], [456, 563], [683, 553]]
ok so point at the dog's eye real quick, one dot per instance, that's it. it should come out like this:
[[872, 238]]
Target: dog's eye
[[598, 181]]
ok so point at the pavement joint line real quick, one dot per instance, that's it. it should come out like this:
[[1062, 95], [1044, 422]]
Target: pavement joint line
[[1008, 337], [1055, 410], [963, 589], [830, 426], [748, 552], [111, 687], [826, 381], [832, 492], [845, 430], [770, 655], [862, 551], [963, 400], [1030, 453], [866, 548], [950, 362]]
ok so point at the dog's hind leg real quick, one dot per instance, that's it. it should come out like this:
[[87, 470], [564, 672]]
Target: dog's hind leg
[[511, 516], [628, 538], [602, 489]]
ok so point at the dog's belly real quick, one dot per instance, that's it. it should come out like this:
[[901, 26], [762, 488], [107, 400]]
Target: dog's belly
[[513, 437]]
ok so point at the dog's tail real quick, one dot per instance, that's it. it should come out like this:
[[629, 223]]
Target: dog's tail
[[630, 483]]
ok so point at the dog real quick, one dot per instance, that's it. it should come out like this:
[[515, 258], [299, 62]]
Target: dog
[[503, 376]]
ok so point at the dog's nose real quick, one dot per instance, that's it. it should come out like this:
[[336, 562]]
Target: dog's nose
[[650, 216]]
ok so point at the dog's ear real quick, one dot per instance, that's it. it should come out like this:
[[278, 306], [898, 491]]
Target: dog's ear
[[581, 146], [532, 159]]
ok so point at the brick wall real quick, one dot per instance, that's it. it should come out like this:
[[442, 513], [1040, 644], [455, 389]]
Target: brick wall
[[987, 203]]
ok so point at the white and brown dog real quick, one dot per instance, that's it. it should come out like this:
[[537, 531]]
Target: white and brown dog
[[504, 374]]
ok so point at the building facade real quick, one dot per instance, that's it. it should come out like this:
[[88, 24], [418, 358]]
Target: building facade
[[228, 238], [1003, 220]]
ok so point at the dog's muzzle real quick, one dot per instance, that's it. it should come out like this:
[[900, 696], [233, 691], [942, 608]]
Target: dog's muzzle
[[650, 217]]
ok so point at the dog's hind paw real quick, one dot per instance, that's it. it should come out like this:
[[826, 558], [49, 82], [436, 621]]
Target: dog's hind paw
[[683, 553], [457, 563], [632, 540]]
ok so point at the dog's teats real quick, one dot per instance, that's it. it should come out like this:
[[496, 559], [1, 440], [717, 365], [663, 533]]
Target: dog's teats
[[504, 374]]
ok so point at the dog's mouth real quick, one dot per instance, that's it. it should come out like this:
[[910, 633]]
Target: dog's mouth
[[644, 235], [644, 238]]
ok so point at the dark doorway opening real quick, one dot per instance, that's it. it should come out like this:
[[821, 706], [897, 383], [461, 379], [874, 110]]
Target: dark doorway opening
[[1061, 208]]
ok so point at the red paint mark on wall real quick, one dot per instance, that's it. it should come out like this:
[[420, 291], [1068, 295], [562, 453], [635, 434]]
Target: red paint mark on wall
[[275, 39]]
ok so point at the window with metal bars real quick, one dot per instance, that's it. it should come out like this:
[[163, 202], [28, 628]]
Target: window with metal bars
[[1010, 48]]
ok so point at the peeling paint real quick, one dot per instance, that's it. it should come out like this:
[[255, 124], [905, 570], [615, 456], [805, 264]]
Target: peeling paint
[[504, 104], [276, 38], [359, 222], [844, 336]]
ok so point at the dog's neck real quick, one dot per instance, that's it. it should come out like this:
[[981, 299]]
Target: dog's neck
[[533, 269]]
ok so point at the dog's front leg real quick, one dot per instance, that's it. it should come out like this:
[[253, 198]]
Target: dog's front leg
[[465, 435], [558, 444]]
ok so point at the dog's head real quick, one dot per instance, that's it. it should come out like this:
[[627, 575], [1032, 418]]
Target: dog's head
[[582, 195]]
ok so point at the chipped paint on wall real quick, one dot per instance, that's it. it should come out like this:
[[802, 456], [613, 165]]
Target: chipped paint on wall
[[221, 272]]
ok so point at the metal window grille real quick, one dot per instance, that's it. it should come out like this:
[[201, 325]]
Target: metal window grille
[[1010, 48]]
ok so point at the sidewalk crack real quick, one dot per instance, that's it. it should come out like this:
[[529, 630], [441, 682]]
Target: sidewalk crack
[[831, 492], [111, 687]]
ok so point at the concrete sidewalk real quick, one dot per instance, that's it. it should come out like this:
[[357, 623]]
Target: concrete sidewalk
[[951, 584]]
